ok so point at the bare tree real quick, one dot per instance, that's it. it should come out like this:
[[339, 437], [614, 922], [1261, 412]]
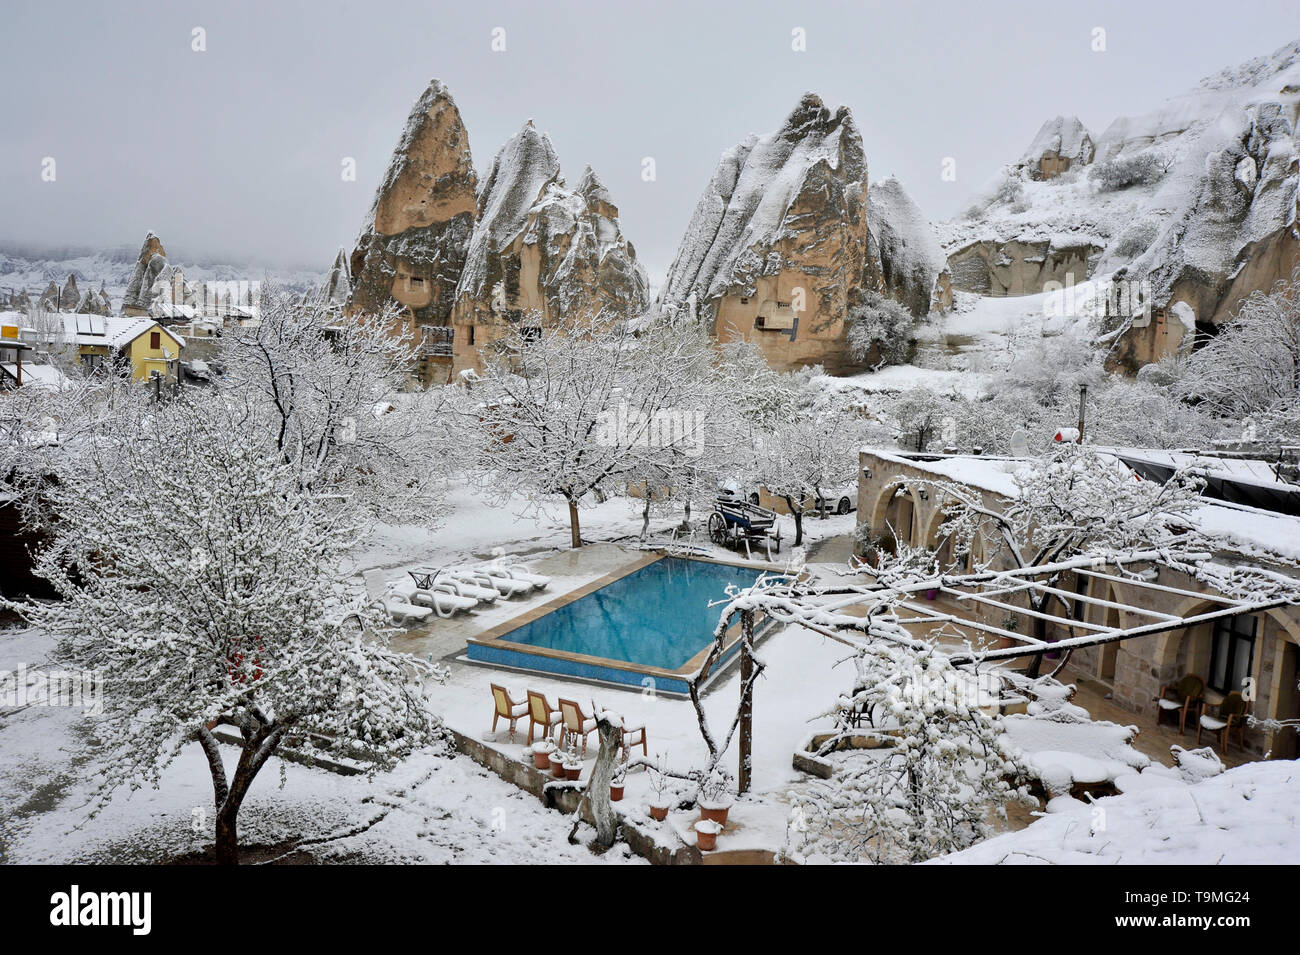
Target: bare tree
[[586, 405]]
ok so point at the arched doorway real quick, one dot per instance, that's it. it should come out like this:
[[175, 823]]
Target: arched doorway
[[895, 516]]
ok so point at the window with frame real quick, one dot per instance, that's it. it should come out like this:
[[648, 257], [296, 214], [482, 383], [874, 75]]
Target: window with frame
[[155, 340], [1232, 653]]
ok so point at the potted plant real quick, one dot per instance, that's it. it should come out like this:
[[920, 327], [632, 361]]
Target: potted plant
[[660, 798], [715, 797], [572, 764], [706, 834], [616, 786], [542, 751], [1011, 622], [555, 761]]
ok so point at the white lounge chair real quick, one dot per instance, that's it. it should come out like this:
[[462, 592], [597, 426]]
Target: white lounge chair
[[502, 584], [445, 603], [538, 581], [403, 612], [467, 585]]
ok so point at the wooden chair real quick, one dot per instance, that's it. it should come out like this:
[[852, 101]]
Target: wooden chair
[[633, 736], [576, 723], [1180, 698], [629, 735], [505, 708], [541, 713], [1231, 715]]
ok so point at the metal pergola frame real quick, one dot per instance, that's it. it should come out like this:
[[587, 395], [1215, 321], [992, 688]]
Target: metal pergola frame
[[983, 587]]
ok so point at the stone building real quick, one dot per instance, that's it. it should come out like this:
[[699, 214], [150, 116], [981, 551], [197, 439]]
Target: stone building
[[1262, 648]]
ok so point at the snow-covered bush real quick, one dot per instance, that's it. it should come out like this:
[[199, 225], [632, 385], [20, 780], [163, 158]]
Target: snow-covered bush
[[1251, 368], [942, 767], [1139, 169], [1136, 239], [1011, 192], [880, 331]]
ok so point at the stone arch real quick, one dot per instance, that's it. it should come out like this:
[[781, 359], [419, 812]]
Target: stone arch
[[942, 547], [896, 513]]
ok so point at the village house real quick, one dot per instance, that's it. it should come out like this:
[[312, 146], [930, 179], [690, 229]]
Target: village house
[[1257, 654], [147, 348]]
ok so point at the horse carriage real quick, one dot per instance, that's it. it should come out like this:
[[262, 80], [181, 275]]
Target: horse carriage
[[736, 522]]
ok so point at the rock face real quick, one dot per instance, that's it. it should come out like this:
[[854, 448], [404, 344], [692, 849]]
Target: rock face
[[464, 258], [149, 267], [412, 245], [540, 251], [71, 294], [1184, 210], [1233, 227], [96, 302], [912, 263], [1021, 267], [777, 249], [1061, 143], [338, 284]]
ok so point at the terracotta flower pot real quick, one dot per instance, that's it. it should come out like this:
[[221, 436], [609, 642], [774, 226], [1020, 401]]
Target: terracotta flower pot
[[615, 792], [716, 814], [706, 835], [541, 760], [557, 766], [572, 772], [659, 813]]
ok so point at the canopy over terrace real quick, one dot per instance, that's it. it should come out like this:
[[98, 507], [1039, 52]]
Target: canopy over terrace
[[858, 612]]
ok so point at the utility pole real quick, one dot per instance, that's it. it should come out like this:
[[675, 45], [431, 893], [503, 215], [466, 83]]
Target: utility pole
[[1083, 400]]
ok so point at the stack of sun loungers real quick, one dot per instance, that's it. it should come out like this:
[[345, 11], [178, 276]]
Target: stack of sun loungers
[[446, 591]]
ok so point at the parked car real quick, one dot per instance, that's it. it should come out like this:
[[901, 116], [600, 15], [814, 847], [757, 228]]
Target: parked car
[[839, 500]]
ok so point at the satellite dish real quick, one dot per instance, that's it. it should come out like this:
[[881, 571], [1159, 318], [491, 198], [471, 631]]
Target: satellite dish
[[1020, 444]]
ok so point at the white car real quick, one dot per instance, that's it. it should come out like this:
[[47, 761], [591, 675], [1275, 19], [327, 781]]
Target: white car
[[839, 500]]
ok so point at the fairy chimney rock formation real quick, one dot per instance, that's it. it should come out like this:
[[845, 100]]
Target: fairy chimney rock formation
[[464, 258], [412, 245], [149, 266], [777, 250]]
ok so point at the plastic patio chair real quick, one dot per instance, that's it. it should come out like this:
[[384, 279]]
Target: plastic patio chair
[[576, 723], [542, 714], [1231, 715], [1180, 698], [505, 708]]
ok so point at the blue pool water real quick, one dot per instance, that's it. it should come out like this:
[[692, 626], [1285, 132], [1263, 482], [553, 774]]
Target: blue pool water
[[656, 616]]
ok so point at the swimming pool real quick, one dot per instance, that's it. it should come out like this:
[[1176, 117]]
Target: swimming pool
[[650, 627]]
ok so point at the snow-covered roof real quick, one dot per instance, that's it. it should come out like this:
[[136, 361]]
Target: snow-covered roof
[[1242, 529], [115, 331], [1241, 817]]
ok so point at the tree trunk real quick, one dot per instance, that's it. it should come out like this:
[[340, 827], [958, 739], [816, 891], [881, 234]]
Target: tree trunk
[[574, 529], [645, 517], [1036, 661], [746, 698], [602, 774], [227, 847], [798, 520]]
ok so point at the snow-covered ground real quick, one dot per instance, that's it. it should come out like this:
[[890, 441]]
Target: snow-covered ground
[[437, 807], [1246, 816]]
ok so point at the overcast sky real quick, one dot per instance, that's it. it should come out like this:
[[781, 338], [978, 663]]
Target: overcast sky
[[235, 153]]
